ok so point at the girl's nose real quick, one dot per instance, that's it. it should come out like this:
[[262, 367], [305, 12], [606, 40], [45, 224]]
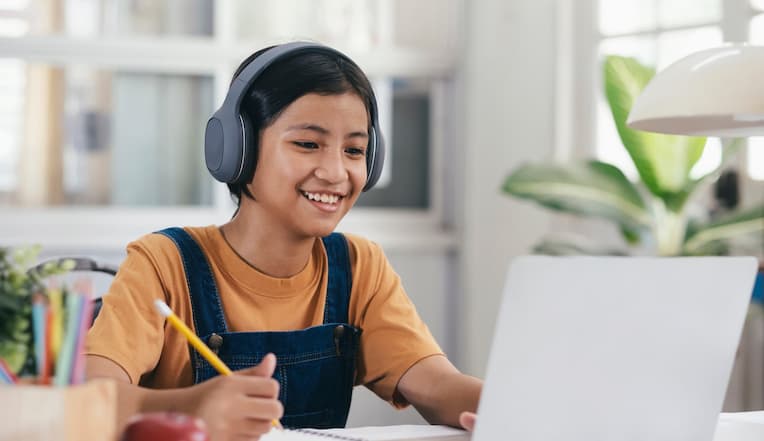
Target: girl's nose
[[331, 167]]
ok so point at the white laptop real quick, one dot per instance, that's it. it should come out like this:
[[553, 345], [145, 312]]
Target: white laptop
[[614, 348], [605, 349]]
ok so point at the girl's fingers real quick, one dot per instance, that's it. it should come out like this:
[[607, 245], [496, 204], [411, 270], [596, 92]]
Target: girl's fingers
[[261, 409], [249, 429], [264, 369], [467, 420], [254, 386]]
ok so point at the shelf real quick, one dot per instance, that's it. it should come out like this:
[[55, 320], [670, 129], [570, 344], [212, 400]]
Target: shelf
[[204, 56]]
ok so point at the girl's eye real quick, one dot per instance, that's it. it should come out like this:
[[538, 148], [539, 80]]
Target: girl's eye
[[306, 144], [356, 151]]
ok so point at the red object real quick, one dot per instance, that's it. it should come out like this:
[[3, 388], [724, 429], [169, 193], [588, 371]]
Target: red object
[[164, 426], [47, 363]]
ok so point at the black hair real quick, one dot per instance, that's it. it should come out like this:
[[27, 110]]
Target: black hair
[[285, 81]]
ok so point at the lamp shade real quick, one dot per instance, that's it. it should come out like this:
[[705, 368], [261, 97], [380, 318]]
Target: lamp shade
[[714, 92]]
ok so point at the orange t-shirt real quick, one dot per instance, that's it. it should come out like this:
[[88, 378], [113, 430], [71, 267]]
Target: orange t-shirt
[[131, 333]]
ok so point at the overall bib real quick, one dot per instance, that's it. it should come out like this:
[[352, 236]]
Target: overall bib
[[315, 366]]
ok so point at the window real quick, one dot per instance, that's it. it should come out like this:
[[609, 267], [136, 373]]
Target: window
[[405, 183], [657, 33], [93, 136], [12, 79]]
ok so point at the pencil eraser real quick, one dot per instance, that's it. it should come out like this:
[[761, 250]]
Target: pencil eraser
[[162, 308]]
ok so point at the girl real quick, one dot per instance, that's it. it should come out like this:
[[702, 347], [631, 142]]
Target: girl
[[303, 314]]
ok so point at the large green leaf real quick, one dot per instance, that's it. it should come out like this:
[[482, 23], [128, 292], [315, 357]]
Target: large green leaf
[[590, 188], [663, 161], [735, 225], [570, 245]]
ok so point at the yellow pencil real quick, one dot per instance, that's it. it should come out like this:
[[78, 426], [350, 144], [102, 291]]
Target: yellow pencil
[[203, 350]]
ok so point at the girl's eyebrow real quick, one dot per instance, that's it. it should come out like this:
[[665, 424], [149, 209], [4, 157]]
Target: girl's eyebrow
[[324, 131]]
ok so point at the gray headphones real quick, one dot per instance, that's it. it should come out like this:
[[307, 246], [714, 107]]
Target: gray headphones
[[226, 149]]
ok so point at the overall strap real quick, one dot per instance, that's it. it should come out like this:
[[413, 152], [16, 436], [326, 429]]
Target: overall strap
[[340, 279], [205, 302]]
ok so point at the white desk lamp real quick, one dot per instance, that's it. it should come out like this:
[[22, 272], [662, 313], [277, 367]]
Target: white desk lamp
[[714, 92]]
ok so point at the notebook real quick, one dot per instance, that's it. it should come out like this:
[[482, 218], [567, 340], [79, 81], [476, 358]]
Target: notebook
[[387, 433], [614, 348], [303, 435]]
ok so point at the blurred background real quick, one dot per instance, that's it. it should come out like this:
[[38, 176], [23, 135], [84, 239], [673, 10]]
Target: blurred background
[[103, 104]]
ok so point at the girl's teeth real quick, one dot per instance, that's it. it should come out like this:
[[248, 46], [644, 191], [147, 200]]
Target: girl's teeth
[[324, 198]]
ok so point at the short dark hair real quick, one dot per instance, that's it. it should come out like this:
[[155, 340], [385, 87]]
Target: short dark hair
[[286, 80]]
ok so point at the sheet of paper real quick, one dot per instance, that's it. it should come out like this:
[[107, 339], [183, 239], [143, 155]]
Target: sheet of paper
[[290, 435], [381, 433], [405, 433]]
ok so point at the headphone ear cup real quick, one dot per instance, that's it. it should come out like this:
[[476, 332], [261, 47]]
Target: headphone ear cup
[[223, 147], [248, 151], [375, 158]]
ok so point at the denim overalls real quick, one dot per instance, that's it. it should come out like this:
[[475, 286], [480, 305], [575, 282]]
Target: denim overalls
[[315, 366]]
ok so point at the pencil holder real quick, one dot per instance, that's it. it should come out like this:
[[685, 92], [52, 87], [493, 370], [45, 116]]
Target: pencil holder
[[44, 413]]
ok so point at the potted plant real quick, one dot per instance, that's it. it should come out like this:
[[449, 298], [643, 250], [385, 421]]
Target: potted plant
[[656, 205], [17, 287]]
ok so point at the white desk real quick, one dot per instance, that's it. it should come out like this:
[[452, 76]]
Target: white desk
[[740, 426]]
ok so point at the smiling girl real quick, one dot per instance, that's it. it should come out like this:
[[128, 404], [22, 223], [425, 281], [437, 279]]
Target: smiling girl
[[300, 312]]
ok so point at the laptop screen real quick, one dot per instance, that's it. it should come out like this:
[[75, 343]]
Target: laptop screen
[[614, 348]]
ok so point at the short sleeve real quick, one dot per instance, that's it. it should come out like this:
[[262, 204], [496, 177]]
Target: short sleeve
[[128, 330], [394, 337]]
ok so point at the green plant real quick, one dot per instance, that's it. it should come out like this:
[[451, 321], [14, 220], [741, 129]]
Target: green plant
[[17, 287], [657, 204]]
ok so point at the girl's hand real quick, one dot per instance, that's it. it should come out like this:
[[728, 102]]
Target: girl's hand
[[239, 406], [467, 420]]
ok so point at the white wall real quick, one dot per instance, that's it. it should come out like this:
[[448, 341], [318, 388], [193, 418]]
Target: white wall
[[508, 81]]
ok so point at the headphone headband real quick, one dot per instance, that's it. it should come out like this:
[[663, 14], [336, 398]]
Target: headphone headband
[[225, 138]]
